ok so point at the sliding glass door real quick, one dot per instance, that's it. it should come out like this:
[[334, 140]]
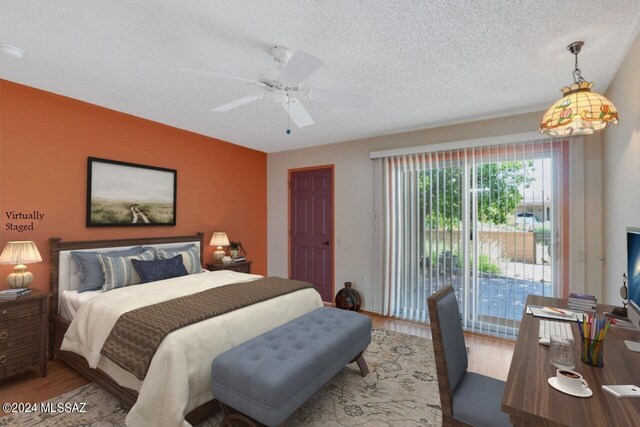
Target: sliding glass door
[[483, 220], [512, 212]]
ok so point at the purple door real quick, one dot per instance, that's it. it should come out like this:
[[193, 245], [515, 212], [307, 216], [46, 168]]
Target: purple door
[[311, 229]]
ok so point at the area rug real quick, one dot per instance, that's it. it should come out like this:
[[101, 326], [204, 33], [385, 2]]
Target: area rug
[[401, 390]]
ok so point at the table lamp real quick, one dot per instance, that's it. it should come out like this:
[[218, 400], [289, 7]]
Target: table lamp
[[219, 239], [20, 253]]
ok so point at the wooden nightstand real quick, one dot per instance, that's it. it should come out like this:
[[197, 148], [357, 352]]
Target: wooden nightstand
[[23, 334], [240, 267]]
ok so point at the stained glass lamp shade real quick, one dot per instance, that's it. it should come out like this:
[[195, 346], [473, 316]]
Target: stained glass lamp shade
[[580, 111]]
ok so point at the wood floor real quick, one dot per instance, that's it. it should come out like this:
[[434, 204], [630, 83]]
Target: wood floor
[[488, 356], [31, 387]]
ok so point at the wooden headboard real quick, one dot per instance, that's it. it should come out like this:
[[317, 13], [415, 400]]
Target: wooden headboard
[[57, 245]]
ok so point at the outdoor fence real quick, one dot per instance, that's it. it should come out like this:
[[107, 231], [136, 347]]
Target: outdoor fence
[[516, 246]]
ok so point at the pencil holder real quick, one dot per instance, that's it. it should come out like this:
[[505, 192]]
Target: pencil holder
[[592, 352]]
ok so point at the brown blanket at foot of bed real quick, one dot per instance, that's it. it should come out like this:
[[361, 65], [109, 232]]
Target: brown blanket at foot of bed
[[137, 334]]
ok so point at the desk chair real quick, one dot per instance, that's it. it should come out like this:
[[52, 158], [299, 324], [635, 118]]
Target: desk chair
[[466, 398]]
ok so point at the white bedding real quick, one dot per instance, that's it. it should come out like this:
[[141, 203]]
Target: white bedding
[[70, 302], [179, 376]]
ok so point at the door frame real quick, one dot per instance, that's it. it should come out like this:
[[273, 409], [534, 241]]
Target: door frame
[[333, 220]]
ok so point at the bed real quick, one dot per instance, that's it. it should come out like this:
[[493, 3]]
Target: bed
[[176, 389]]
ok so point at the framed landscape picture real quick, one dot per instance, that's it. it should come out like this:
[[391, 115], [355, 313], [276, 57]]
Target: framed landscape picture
[[127, 194]]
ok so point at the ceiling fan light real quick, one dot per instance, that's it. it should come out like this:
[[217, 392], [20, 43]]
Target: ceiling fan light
[[579, 112]]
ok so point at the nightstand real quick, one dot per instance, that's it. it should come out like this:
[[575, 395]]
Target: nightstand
[[240, 267], [23, 334]]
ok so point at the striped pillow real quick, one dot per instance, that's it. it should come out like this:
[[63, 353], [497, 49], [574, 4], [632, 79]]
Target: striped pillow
[[190, 258], [119, 272]]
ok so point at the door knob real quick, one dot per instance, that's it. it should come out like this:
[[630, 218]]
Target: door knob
[[327, 243]]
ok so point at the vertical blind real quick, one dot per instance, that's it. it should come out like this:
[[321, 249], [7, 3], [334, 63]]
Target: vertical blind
[[485, 220]]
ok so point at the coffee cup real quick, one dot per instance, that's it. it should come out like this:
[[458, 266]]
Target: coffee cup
[[570, 381]]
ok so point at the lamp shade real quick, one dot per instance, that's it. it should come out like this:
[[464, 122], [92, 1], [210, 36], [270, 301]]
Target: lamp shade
[[579, 112], [219, 238], [25, 252]]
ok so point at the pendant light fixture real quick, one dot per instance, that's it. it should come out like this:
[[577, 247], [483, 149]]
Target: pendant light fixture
[[580, 111]]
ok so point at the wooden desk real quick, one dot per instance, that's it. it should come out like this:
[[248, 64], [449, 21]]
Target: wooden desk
[[530, 400]]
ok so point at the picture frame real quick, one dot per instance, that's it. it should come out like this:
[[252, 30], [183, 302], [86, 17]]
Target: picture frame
[[122, 194]]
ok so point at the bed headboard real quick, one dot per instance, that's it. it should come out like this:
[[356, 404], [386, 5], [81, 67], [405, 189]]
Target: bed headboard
[[61, 249]]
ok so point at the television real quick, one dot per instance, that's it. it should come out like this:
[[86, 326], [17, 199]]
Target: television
[[633, 275]]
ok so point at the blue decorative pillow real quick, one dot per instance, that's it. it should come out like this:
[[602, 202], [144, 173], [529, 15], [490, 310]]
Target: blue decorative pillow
[[91, 275], [190, 258], [119, 272], [159, 269]]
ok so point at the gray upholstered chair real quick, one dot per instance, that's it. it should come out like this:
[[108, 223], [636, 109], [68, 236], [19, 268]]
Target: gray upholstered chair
[[467, 398]]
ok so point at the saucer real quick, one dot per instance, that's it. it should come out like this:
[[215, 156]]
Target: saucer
[[585, 392]]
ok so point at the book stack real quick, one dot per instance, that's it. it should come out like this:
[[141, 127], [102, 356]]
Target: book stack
[[619, 322], [583, 302], [14, 293], [240, 259]]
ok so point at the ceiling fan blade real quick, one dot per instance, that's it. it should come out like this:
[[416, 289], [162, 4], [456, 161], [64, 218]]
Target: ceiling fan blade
[[222, 76], [339, 98], [300, 66], [237, 103], [298, 113]]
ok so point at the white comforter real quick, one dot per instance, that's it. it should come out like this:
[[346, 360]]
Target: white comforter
[[179, 376]]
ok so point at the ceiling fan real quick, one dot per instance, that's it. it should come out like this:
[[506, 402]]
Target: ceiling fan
[[283, 83]]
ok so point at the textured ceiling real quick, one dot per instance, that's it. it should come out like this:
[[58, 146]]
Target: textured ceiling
[[423, 63]]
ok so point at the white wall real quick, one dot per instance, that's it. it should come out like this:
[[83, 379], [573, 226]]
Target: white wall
[[594, 248], [353, 209], [621, 171], [354, 197]]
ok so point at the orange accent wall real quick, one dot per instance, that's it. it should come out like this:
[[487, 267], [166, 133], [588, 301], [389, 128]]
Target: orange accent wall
[[45, 140]]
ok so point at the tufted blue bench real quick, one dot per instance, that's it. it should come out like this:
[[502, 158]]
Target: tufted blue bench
[[269, 377]]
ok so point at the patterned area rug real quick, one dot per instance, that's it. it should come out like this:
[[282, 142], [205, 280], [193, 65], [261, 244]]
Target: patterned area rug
[[401, 390]]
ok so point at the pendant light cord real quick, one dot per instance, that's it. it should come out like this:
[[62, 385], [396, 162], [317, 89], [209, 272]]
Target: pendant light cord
[[577, 73]]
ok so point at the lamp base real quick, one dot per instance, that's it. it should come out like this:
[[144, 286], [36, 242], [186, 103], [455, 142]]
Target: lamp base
[[620, 312], [218, 255], [20, 278]]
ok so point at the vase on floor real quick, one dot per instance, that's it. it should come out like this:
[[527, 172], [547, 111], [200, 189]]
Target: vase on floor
[[348, 298]]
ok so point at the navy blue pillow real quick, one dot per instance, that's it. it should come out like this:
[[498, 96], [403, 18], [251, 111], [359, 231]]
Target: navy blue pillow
[[91, 275], [159, 269]]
